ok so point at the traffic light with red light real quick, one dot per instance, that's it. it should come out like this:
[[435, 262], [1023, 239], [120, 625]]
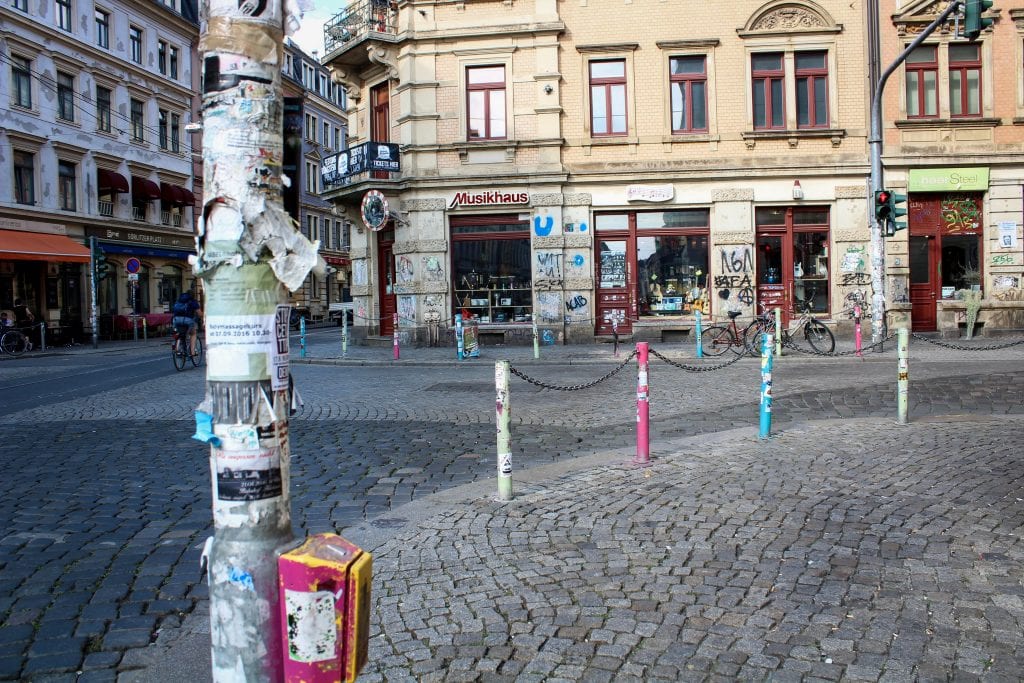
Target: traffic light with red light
[[887, 211]]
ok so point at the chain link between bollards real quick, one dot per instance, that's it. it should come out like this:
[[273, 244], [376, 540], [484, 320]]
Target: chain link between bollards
[[962, 347], [573, 387], [696, 368]]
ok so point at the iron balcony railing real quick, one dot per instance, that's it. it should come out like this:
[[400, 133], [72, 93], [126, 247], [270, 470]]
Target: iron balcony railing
[[360, 20], [106, 208]]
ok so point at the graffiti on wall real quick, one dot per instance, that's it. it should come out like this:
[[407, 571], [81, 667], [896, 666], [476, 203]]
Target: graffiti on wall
[[548, 268], [359, 272], [432, 305], [575, 227], [960, 215], [576, 265], [578, 306], [405, 271], [899, 289], [854, 260], [542, 226], [855, 279], [549, 307], [432, 266], [735, 285], [407, 310]]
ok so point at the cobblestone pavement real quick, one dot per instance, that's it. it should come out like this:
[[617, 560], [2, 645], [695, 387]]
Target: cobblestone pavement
[[106, 504]]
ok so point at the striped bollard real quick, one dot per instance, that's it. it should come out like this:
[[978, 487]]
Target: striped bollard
[[503, 410], [344, 333], [536, 340], [302, 336], [767, 344], [643, 407], [394, 336], [460, 337], [903, 378], [778, 331], [697, 332]]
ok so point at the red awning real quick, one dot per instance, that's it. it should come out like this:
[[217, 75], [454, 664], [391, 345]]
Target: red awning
[[337, 260], [171, 194], [109, 181], [144, 190], [190, 199], [36, 246]]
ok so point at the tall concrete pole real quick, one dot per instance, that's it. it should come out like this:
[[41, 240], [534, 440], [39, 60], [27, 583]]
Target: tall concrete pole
[[875, 182], [248, 253]]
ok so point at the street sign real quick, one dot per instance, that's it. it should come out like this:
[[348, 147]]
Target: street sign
[[132, 266], [133, 277]]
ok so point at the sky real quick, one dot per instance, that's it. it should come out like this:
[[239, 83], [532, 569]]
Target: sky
[[311, 34]]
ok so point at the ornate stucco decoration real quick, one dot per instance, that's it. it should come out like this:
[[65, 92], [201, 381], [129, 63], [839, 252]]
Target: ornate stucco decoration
[[384, 57], [790, 17], [345, 80]]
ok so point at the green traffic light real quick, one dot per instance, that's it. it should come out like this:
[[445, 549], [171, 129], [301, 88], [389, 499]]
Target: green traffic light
[[974, 23]]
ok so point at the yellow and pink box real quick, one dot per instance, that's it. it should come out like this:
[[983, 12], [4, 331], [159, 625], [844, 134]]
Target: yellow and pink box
[[325, 609]]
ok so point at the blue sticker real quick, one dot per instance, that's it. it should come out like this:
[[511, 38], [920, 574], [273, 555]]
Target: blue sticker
[[204, 429], [583, 226], [241, 578], [578, 260]]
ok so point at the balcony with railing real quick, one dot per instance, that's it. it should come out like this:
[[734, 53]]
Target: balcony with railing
[[170, 218], [364, 20], [106, 208], [138, 213]]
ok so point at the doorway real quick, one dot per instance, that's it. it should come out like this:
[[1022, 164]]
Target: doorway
[[793, 271], [945, 252], [386, 280], [614, 305]]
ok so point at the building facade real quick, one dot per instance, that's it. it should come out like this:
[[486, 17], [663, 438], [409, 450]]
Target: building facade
[[93, 107], [315, 128], [588, 167], [954, 133]]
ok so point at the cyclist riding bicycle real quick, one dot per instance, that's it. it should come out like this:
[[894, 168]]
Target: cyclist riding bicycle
[[186, 312]]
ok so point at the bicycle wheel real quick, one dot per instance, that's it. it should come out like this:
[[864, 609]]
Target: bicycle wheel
[[756, 341], [14, 342], [178, 353], [714, 340], [197, 357], [752, 335], [819, 337]]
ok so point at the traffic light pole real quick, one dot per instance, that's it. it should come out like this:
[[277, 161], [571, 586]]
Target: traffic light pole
[[248, 252], [876, 181]]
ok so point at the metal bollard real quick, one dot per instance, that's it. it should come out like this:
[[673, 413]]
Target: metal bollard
[[697, 333], [615, 338], [903, 376], [42, 336], [145, 330], [460, 337], [135, 328], [643, 407], [536, 339], [503, 414], [302, 336], [344, 333], [778, 331], [767, 343], [394, 336], [858, 339]]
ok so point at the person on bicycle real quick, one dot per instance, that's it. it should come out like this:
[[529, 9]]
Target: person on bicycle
[[186, 312]]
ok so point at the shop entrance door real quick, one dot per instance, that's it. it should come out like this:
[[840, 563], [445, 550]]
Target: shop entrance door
[[924, 281], [792, 261], [386, 281], [614, 302]]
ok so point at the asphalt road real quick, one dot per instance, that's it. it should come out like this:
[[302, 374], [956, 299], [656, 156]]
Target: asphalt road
[[105, 501]]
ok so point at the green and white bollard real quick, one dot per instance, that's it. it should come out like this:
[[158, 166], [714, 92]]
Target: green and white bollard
[[903, 376], [344, 333], [503, 410], [778, 331], [536, 340]]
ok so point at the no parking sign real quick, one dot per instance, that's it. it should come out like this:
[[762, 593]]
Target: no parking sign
[[132, 265]]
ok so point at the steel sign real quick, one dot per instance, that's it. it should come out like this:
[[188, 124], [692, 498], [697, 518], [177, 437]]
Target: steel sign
[[132, 265]]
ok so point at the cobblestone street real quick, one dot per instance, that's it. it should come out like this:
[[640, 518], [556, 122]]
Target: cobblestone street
[[728, 557]]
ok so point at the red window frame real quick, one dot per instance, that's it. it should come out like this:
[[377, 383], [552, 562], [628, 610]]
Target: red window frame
[[488, 89], [686, 81], [815, 77], [918, 71], [763, 79], [963, 67], [606, 85]]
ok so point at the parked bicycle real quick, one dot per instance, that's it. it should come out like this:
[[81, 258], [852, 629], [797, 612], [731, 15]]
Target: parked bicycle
[[180, 352], [14, 341], [715, 339], [815, 332]]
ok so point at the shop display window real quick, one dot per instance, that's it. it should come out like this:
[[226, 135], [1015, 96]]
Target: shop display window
[[491, 270], [671, 272]]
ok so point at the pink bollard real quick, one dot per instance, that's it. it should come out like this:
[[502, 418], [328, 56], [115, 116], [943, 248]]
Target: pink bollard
[[325, 609], [643, 412], [395, 336]]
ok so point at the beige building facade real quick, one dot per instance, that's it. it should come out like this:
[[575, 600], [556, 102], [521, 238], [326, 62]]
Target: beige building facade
[[595, 166], [954, 133]]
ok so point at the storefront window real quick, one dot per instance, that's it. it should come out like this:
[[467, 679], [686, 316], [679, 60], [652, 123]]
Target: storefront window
[[491, 269], [670, 272]]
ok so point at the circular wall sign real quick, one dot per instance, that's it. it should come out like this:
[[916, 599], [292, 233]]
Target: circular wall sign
[[374, 210], [132, 265]]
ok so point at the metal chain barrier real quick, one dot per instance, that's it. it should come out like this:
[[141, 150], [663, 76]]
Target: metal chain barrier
[[790, 344], [962, 347], [574, 387], [697, 368]]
